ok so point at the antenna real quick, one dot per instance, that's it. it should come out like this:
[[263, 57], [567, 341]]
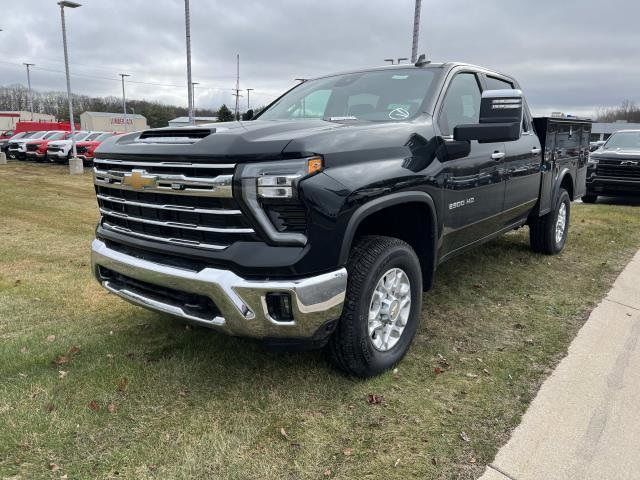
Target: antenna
[[422, 61]]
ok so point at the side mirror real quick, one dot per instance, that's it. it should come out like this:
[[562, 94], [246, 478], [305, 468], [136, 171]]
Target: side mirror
[[501, 114]]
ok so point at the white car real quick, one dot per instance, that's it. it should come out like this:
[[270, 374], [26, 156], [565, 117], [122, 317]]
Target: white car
[[18, 148], [60, 150]]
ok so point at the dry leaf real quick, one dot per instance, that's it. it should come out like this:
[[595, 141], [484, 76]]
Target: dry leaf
[[397, 463], [49, 407], [438, 370], [373, 399], [51, 338], [464, 436], [472, 375], [24, 350], [434, 461], [472, 460], [122, 384], [283, 432], [61, 360], [112, 408], [73, 350], [93, 405], [327, 472], [64, 477], [348, 451], [183, 392], [486, 371], [53, 467], [62, 373]]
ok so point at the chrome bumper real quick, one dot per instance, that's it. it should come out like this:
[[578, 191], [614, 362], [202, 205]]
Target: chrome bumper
[[241, 302]]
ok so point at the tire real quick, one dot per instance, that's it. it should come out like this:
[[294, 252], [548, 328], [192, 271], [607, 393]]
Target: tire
[[590, 198], [542, 230], [351, 347]]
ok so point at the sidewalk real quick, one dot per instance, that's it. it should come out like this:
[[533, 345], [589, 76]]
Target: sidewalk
[[585, 421]]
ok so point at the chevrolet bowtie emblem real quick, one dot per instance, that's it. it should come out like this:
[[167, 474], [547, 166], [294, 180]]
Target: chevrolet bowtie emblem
[[629, 162], [139, 180]]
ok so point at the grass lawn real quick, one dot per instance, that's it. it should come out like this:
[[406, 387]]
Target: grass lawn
[[92, 387]]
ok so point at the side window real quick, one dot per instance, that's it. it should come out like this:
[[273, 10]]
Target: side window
[[461, 103], [498, 84]]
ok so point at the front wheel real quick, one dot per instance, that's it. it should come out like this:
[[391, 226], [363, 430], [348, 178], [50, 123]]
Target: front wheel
[[548, 234], [382, 307]]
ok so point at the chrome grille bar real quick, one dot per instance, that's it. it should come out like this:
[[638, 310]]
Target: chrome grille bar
[[185, 226], [173, 208], [220, 186], [174, 241], [219, 166]]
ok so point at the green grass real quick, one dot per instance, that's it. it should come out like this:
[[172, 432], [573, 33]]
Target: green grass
[[191, 403]]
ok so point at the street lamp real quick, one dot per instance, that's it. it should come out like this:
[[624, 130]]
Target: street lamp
[[248, 92], [124, 101], [416, 31], [187, 25], [75, 164], [193, 98], [29, 65]]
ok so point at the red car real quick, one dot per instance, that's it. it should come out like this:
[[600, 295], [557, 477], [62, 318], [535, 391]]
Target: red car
[[37, 149], [86, 148]]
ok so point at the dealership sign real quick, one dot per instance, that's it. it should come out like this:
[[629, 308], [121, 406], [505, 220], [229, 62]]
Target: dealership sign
[[121, 121]]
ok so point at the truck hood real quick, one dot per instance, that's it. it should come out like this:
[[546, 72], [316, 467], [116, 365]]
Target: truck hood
[[619, 155], [256, 140], [61, 143]]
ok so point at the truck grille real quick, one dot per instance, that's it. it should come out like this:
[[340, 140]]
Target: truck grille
[[175, 202], [32, 147], [81, 149], [616, 169], [54, 149]]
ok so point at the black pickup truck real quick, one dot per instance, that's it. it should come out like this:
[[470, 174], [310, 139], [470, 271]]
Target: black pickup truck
[[320, 222], [614, 168]]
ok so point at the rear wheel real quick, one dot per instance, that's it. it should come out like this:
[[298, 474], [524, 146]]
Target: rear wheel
[[548, 234], [382, 307], [590, 198]]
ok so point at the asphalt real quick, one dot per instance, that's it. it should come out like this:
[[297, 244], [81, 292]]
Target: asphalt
[[584, 423]]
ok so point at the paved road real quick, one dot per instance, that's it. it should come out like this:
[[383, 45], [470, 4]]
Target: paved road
[[584, 424]]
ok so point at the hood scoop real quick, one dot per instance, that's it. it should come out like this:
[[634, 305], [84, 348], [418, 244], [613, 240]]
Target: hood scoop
[[175, 136]]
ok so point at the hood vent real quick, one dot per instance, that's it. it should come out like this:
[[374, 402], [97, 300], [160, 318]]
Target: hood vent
[[179, 135]]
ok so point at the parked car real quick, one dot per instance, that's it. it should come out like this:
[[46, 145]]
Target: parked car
[[17, 148], [60, 150], [4, 142], [614, 169], [86, 148], [322, 221], [37, 149]]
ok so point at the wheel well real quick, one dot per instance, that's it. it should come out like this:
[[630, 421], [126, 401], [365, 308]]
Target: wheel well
[[567, 184], [411, 222]]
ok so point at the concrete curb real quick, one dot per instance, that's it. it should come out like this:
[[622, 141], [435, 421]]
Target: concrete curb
[[583, 424]]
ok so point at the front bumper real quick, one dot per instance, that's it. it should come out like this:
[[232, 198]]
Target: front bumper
[[241, 303], [608, 185]]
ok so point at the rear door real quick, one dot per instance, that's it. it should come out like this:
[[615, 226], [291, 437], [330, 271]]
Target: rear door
[[473, 192]]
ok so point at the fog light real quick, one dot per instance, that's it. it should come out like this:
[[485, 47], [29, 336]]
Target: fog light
[[279, 306]]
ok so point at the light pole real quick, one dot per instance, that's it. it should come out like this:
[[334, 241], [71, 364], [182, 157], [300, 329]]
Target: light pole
[[187, 25], [193, 98], [29, 65], [416, 31], [124, 101], [248, 103], [75, 164]]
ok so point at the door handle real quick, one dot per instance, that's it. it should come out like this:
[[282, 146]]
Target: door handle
[[536, 150], [497, 155]]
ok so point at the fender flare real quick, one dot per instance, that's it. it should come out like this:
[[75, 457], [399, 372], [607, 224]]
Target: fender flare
[[390, 200], [561, 176]]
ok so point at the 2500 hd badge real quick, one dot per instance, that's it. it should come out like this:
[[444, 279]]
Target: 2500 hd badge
[[321, 222]]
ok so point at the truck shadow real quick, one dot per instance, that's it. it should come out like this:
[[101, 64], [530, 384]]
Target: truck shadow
[[633, 201]]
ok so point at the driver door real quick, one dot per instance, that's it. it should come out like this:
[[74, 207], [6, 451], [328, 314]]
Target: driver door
[[474, 186]]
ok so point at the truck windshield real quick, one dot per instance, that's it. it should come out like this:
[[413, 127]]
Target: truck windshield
[[376, 96], [623, 141]]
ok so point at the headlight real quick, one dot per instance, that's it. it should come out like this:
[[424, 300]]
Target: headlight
[[592, 161], [275, 181]]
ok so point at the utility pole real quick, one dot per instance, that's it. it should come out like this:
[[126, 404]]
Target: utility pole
[[416, 31], [124, 102], [29, 65], [75, 164], [193, 96], [187, 23], [248, 103], [237, 95]]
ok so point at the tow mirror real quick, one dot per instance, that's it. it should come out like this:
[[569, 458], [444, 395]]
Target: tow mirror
[[500, 118]]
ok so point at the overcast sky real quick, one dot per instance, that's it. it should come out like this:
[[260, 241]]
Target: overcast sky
[[569, 55]]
